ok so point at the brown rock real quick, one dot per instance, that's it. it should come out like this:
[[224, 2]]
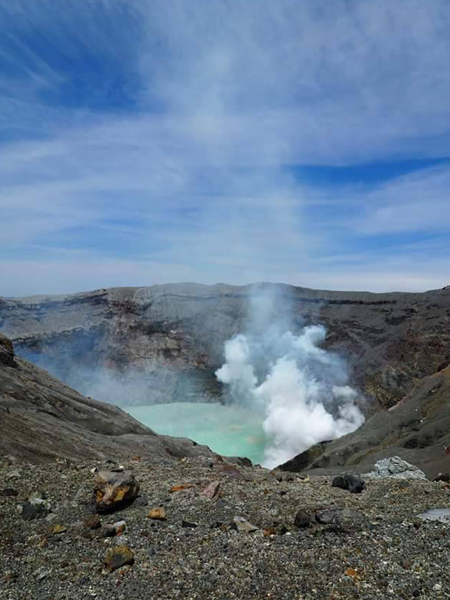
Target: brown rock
[[182, 486], [158, 514], [114, 490], [118, 557], [92, 522], [231, 471], [7, 352]]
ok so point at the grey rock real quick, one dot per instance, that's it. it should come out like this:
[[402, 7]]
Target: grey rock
[[342, 517], [302, 519], [242, 525], [34, 508], [114, 529], [396, 468], [436, 514], [140, 501], [283, 475], [8, 492], [352, 483], [188, 524], [41, 573]]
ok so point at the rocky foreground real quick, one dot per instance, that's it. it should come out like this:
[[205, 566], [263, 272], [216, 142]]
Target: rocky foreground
[[202, 528]]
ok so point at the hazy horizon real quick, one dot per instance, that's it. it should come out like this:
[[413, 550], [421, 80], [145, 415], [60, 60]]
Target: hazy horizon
[[222, 283]]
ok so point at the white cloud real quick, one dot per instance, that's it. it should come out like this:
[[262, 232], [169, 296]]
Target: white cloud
[[417, 202], [192, 178]]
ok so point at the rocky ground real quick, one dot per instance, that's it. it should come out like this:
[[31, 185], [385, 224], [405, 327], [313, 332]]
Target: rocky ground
[[368, 545]]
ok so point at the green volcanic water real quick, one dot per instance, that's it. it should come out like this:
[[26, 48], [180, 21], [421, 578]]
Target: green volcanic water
[[230, 431]]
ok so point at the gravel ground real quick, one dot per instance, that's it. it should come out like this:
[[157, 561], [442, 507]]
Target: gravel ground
[[377, 548]]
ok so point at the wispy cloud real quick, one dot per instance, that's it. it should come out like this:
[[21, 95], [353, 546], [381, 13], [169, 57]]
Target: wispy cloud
[[143, 142]]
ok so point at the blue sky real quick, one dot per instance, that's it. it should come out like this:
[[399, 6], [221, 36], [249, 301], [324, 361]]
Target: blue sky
[[155, 141]]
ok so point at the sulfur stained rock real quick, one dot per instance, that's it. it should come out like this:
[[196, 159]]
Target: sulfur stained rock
[[118, 557], [114, 490], [57, 529]]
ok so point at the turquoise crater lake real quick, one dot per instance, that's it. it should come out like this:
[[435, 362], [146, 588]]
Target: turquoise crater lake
[[228, 430]]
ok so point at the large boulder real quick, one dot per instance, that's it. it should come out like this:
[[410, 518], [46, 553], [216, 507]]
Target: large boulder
[[114, 490], [395, 468]]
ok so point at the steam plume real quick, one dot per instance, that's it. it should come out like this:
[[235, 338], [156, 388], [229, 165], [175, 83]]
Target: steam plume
[[300, 389]]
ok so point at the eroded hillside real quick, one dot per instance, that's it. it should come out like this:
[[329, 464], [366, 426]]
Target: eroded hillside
[[171, 337]]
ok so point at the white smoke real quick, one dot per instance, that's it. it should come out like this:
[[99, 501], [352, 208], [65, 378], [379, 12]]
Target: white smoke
[[300, 390]]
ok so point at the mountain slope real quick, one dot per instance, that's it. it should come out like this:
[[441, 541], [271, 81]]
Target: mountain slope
[[173, 335], [417, 429], [42, 419]]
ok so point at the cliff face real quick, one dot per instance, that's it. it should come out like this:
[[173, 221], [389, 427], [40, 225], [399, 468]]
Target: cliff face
[[43, 419], [7, 357], [172, 336]]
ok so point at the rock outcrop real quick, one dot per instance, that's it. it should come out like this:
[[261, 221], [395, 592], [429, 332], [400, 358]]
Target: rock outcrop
[[174, 334], [395, 468], [7, 357], [42, 419]]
